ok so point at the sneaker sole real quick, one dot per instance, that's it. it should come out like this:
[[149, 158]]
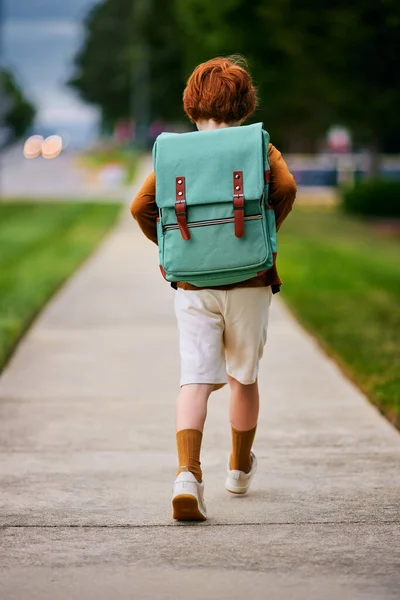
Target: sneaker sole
[[238, 492], [186, 508]]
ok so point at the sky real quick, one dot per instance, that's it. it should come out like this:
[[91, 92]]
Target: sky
[[40, 39]]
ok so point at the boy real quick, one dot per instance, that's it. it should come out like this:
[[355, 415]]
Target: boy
[[223, 330]]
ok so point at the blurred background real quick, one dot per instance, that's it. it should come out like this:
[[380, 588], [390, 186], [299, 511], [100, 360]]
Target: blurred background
[[87, 85], [109, 75]]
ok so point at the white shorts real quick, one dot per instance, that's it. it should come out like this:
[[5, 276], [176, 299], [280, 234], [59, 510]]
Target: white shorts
[[222, 332]]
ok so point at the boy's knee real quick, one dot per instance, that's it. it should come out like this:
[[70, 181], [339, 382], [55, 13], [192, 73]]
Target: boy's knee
[[237, 384]]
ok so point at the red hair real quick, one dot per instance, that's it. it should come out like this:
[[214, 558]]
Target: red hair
[[220, 89]]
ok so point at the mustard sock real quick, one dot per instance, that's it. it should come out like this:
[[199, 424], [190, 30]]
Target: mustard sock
[[188, 442], [242, 442]]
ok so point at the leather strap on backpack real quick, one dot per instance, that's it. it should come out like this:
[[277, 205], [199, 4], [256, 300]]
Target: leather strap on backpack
[[238, 203], [180, 208]]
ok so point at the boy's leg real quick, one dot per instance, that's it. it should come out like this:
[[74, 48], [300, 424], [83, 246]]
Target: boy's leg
[[243, 414], [201, 327], [245, 335], [191, 412]]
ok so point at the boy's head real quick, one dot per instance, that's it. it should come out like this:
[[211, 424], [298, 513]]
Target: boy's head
[[220, 89]]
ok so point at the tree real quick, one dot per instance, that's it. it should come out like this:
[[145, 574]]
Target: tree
[[367, 72], [105, 65], [16, 112], [313, 65]]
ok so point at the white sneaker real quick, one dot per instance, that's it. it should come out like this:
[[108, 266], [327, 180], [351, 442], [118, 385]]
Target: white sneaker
[[188, 498], [239, 482]]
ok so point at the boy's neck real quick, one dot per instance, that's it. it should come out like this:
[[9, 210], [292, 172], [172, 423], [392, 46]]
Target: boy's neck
[[211, 124]]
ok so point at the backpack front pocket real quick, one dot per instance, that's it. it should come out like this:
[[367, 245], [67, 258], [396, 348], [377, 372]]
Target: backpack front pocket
[[213, 247]]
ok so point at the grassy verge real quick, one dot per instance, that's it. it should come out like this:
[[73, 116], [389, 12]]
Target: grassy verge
[[98, 158], [342, 280], [40, 246]]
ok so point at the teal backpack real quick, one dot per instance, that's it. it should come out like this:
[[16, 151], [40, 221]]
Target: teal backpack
[[215, 226]]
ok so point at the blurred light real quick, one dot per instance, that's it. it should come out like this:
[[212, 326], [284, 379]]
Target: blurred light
[[52, 146], [66, 138], [339, 139], [33, 146]]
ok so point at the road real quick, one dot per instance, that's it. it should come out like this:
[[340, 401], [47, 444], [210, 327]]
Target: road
[[58, 178]]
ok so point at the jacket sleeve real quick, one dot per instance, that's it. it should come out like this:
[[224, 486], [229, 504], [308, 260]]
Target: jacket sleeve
[[282, 190], [144, 208]]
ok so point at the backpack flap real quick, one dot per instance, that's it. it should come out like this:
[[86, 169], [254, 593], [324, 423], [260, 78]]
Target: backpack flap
[[207, 162]]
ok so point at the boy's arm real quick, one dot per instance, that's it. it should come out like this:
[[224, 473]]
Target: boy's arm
[[282, 189], [144, 208]]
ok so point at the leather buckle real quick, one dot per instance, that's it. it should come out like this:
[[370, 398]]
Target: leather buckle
[[180, 207], [238, 203]]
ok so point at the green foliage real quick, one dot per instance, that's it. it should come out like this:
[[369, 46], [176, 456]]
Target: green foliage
[[313, 64], [40, 246], [365, 36], [377, 198], [342, 280], [17, 112], [105, 65]]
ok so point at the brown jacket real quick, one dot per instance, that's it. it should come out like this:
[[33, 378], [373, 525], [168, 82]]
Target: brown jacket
[[282, 192]]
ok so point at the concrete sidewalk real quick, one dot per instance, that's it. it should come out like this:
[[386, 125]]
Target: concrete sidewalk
[[88, 458]]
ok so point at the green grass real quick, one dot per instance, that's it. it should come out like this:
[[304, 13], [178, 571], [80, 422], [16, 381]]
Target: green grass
[[342, 281], [98, 158], [41, 244]]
